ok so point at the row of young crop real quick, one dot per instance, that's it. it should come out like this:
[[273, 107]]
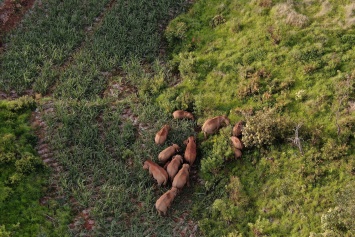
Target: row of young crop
[[72, 49], [125, 32], [37, 54], [45, 39]]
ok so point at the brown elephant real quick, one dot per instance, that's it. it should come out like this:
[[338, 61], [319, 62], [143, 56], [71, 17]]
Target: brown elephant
[[173, 166], [237, 143], [212, 125], [168, 152], [164, 202], [159, 174], [182, 177], [181, 114], [190, 151], [237, 153], [162, 134], [238, 128]]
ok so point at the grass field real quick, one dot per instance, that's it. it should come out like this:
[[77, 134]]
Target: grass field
[[110, 73], [276, 65]]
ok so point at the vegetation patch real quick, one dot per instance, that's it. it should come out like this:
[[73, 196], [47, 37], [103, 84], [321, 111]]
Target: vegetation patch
[[277, 66], [24, 177]]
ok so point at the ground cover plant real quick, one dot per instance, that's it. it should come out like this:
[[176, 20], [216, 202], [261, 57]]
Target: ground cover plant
[[284, 67], [23, 179], [287, 70]]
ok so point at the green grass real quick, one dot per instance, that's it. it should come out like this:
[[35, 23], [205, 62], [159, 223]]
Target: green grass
[[23, 179], [98, 147], [104, 161], [234, 57], [124, 33]]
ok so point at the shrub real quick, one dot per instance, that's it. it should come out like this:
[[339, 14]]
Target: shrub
[[332, 151], [217, 20], [27, 164], [340, 219], [259, 227], [264, 128], [215, 158], [187, 66], [225, 211], [23, 102], [3, 232]]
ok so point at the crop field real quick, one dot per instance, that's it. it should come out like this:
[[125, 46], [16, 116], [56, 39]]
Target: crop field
[[77, 59], [105, 76]]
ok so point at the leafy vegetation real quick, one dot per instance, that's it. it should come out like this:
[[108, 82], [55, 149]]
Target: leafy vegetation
[[45, 40], [23, 176], [284, 67]]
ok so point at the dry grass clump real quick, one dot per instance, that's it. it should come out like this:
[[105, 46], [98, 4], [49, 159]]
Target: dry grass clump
[[265, 3], [350, 15], [291, 17], [325, 9]]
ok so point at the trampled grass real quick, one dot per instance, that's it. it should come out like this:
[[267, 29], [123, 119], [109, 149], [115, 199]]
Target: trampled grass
[[104, 161]]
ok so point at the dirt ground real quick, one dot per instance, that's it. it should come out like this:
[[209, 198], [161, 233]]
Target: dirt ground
[[11, 13]]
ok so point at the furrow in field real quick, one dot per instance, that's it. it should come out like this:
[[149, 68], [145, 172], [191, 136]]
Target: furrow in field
[[11, 14], [89, 31], [82, 220], [44, 39]]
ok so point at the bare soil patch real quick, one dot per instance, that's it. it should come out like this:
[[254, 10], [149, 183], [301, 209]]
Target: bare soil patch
[[11, 13]]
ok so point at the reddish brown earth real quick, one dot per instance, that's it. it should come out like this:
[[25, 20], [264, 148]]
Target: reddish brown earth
[[11, 13]]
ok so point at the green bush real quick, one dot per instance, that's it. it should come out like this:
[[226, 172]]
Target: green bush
[[3, 232], [339, 221], [264, 128], [215, 159], [23, 176]]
